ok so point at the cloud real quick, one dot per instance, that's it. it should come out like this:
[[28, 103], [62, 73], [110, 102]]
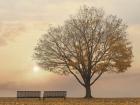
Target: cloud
[[134, 36], [2, 42], [50, 10], [123, 85], [110, 85], [9, 31], [8, 85]]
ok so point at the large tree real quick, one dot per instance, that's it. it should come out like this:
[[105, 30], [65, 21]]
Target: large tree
[[87, 45]]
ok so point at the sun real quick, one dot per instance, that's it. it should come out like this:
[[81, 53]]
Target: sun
[[36, 69]]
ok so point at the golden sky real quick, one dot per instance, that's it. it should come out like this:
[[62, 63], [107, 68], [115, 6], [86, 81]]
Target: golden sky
[[22, 22]]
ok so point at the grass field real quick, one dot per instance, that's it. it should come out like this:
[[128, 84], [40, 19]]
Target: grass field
[[71, 101]]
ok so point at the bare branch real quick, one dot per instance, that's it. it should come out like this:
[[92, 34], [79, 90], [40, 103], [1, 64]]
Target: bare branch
[[96, 78]]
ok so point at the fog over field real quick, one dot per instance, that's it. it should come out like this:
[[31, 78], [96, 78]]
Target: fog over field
[[22, 22]]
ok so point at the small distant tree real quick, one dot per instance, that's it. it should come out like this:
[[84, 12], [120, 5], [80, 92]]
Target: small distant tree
[[86, 46]]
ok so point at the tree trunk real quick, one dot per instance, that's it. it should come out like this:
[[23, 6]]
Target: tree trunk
[[88, 91]]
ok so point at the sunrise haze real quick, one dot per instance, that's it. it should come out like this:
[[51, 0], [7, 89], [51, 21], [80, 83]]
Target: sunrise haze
[[23, 22]]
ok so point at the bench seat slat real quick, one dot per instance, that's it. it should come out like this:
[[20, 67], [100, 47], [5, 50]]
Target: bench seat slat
[[28, 94], [54, 94]]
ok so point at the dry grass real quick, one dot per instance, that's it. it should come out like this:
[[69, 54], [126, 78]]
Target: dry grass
[[71, 101]]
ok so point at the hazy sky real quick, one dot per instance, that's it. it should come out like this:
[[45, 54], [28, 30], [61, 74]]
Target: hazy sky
[[22, 22]]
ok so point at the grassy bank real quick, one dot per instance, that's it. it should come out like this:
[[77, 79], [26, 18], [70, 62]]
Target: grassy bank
[[71, 101]]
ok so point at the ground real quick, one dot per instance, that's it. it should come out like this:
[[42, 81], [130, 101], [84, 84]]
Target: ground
[[71, 101]]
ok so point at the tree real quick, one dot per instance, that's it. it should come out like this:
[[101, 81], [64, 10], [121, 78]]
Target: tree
[[86, 46]]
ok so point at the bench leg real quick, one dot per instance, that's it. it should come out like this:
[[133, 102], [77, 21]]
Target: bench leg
[[39, 98]]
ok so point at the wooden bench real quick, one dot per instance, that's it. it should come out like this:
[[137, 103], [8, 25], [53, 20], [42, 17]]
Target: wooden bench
[[54, 94], [28, 94]]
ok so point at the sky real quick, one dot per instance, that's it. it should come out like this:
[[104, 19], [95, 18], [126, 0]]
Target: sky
[[23, 22]]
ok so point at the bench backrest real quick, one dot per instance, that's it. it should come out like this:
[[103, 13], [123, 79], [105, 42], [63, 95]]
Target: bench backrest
[[52, 94], [28, 94]]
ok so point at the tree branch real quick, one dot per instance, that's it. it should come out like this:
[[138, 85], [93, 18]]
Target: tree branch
[[96, 78]]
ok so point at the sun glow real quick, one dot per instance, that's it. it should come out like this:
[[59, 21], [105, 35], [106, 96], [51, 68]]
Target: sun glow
[[36, 69]]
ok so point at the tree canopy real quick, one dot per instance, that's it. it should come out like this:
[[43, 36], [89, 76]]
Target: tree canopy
[[86, 45]]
